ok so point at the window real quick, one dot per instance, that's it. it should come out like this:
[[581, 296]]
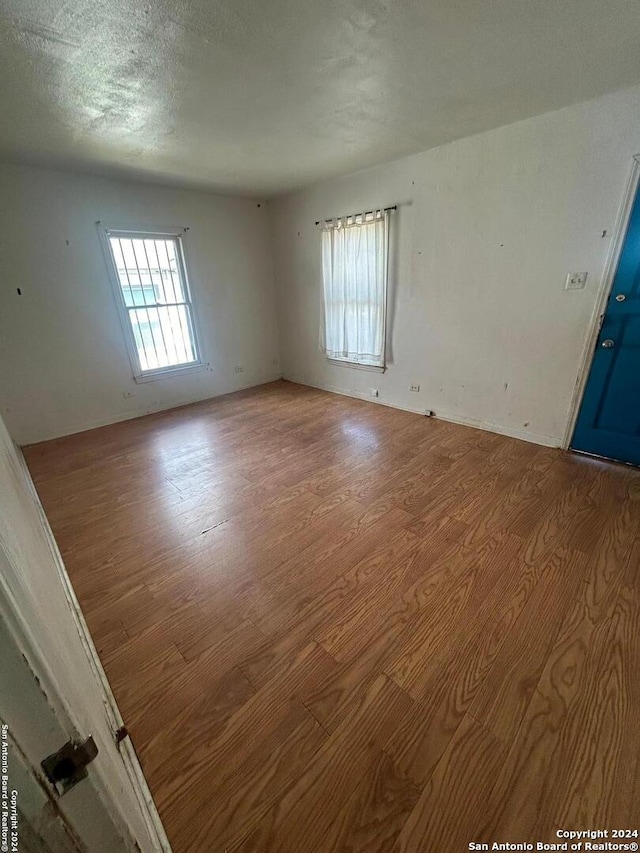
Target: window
[[354, 271], [152, 291]]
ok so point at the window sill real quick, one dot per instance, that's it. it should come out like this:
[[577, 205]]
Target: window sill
[[371, 368], [168, 372]]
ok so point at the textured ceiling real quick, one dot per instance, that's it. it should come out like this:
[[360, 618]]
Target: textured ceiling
[[263, 97]]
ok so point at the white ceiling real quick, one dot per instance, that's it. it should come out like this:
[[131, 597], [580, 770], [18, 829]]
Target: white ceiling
[[263, 96]]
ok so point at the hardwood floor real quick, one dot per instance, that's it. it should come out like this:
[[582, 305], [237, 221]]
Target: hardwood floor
[[335, 626]]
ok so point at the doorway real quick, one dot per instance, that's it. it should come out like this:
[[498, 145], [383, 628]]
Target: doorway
[[608, 422], [54, 698]]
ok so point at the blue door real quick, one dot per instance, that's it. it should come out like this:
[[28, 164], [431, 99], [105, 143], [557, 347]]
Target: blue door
[[609, 419]]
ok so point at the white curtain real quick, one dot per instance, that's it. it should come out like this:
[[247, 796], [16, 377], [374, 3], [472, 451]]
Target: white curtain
[[354, 270]]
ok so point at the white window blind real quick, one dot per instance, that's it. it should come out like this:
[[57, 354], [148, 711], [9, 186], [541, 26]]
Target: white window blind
[[153, 294], [354, 270]]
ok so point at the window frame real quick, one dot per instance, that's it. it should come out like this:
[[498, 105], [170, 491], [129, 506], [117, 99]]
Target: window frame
[[358, 365], [152, 233], [351, 221]]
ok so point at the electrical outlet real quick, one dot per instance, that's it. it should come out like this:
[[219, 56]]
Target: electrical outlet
[[239, 368], [414, 387], [374, 392], [575, 281]]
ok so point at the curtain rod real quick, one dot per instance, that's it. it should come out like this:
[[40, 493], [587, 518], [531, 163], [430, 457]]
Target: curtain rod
[[353, 215]]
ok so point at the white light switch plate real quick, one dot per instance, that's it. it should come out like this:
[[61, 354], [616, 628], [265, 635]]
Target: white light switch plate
[[575, 281]]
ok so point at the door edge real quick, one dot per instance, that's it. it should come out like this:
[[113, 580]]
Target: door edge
[[632, 185], [133, 768]]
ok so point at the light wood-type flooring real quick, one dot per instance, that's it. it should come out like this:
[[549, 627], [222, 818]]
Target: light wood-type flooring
[[336, 626]]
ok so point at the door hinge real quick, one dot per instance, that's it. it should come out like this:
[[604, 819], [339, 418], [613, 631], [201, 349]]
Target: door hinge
[[68, 766], [120, 735]]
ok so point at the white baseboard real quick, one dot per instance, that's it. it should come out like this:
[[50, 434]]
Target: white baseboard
[[523, 435], [129, 416]]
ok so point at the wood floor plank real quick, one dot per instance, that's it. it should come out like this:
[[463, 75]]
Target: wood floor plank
[[310, 806], [227, 647], [462, 592], [139, 672], [506, 692], [248, 793], [343, 593], [625, 787], [335, 626], [531, 783], [454, 801], [167, 740], [307, 575], [374, 814], [347, 633], [447, 690], [244, 731], [607, 717]]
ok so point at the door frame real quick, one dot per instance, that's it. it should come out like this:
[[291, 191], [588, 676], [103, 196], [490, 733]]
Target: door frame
[[632, 186], [28, 645]]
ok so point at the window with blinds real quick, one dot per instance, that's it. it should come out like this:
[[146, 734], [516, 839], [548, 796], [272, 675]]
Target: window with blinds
[[153, 295]]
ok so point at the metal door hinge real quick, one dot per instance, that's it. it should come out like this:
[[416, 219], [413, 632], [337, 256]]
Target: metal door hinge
[[120, 735], [68, 766]]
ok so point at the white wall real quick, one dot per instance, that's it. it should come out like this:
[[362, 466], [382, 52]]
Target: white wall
[[63, 362], [486, 232]]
